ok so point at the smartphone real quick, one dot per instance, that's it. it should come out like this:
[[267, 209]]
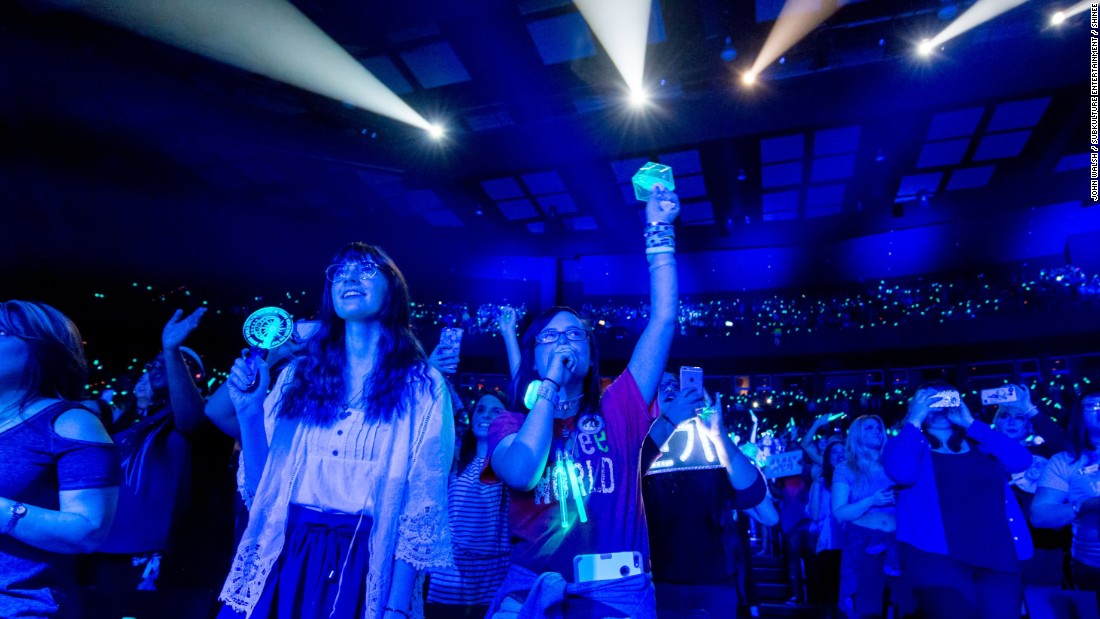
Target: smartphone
[[948, 399], [691, 376], [608, 566], [451, 337], [304, 329], [998, 395]]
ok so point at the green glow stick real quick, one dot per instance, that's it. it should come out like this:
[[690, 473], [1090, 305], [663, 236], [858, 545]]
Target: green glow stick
[[559, 481], [575, 487]]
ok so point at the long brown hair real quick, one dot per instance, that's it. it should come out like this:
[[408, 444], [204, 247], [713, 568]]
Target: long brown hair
[[317, 392]]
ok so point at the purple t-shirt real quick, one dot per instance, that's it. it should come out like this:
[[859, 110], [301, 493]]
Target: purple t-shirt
[[607, 467]]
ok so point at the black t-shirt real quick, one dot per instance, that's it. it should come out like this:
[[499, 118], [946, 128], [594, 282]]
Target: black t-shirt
[[692, 535]]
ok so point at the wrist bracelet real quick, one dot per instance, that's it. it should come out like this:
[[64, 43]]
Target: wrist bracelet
[[666, 418], [649, 251], [404, 614], [551, 380]]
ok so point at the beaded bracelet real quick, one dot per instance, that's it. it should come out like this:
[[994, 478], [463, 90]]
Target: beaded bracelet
[[649, 251]]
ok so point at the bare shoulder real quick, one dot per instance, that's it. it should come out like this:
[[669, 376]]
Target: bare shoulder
[[80, 425]]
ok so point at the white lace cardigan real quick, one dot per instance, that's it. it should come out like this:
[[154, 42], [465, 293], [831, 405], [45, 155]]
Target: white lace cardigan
[[410, 515]]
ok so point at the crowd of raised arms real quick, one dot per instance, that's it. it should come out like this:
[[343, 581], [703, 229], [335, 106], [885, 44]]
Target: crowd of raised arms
[[345, 474]]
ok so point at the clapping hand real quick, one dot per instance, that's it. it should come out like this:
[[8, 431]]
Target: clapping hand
[[178, 328]]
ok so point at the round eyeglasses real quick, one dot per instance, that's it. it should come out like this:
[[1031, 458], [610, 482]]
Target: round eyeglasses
[[352, 270], [551, 336]]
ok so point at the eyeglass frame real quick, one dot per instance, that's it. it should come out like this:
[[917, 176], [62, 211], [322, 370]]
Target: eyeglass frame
[[367, 270], [587, 332]]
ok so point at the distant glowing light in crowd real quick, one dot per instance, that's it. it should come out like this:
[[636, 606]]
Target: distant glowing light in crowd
[[797, 19], [268, 37], [622, 26], [979, 13]]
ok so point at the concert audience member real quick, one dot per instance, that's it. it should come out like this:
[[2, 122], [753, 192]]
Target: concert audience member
[[798, 543], [1018, 421], [154, 437], [1069, 493], [572, 463], [961, 532], [478, 516], [507, 323], [863, 501], [349, 488], [695, 553], [830, 535], [59, 481]]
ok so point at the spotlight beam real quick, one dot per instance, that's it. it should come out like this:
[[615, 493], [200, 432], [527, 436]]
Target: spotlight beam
[[797, 19], [268, 37], [622, 27], [981, 12], [1080, 7]]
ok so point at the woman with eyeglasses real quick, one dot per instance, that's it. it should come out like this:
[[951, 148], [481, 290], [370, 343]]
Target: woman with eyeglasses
[[346, 460], [1069, 493], [59, 478], [572, 462], [960, 530]]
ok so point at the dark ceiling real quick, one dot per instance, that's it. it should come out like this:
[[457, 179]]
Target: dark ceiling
[[123, 156]]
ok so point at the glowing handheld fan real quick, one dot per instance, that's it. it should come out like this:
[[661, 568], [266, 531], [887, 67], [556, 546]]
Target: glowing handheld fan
[[268, 327]]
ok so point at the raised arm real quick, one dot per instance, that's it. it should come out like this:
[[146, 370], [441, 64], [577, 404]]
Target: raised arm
[[650, 354], [183, 394], [511, 338], [808, 444], [742, 473]]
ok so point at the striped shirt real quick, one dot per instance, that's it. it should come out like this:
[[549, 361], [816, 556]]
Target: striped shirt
[[479, 527]]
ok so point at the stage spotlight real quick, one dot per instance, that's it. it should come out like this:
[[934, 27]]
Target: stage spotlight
[[269, 37], [1058, 18], [749, 78], [638, 98], [622, 27], [436, 132], [925, 48]]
